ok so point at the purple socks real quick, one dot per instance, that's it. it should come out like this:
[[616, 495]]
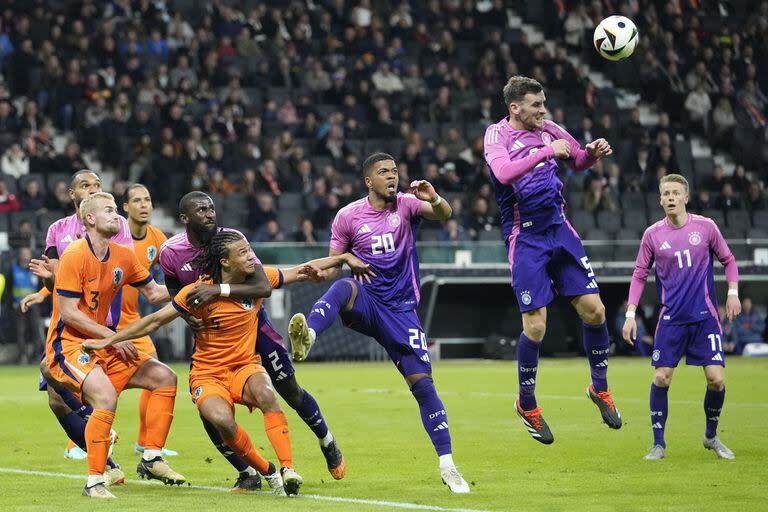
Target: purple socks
[[527, 366], [433, 415], [596, 345], [659, 406]]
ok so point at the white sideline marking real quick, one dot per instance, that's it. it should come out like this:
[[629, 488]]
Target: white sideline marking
[[379, 503]]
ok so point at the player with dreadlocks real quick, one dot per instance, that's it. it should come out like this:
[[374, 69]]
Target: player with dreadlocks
[[226, 368]]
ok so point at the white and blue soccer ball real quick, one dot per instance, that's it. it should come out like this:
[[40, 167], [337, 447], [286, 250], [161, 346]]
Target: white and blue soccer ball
[[615, 38]]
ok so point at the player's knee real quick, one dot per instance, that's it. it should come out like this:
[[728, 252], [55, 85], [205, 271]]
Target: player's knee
[[662, 380], [224, 422], [594, 314], [267, 400], [44, 371], [535, 329], [291, 392], [104, 399], [168, 378], [715, 382]]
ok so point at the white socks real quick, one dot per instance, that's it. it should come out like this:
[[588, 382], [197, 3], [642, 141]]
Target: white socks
[[312, 334], [251, 471], [328, 439], [151, 454], [446, 461], [94, 479]]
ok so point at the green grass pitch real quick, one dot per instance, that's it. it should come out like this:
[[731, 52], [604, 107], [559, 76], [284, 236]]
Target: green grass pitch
[[391, 460]]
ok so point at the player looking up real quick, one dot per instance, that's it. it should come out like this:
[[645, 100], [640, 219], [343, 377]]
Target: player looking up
[[380, 229], [546, 256], [682, 245], [91, 273]]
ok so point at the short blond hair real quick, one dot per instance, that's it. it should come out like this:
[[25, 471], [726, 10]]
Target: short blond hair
[[89, 203], [674, 178]]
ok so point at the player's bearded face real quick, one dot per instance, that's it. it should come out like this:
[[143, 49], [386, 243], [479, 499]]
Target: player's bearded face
[[384, 179], [202, 219], [531, 111]]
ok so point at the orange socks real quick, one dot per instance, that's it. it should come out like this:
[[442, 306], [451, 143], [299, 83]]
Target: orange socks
[[159, 416], [276, 426], [241, 444], [143, 402], [97, 440]]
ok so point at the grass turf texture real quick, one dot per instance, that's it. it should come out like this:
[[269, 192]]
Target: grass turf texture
[[390, 458]]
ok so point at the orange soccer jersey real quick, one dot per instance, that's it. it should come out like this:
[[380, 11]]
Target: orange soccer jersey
[[146, 250], [96, 283], [229, 338]]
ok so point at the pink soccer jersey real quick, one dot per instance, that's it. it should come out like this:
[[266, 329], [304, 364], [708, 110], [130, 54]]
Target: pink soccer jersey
[[386, 240], [684, 276], [65, 231], [177, 257]]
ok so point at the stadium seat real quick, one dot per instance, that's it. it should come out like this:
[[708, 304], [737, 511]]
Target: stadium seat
[[732, 233], [635, 218], [738, 219], [601, 253], [429, 235], [597, 234], [632, 200], [715, 215], [626, 252], [582, 221], [609, 221], [757, 233], [628, 234], [290, 200], [289, 220], [356, 146], [760, 219], [53, 178], [491, 235], [703, 167], [17, 217], [45, 219]]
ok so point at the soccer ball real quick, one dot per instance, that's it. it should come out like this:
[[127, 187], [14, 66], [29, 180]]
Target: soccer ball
[[615, 37]]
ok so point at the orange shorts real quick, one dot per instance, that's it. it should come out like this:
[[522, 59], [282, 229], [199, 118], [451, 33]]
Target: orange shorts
[[226, 383], [72, 366], [144, 344]]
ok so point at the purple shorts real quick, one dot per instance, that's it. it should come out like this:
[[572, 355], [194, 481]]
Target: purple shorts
[[269, 345], [701, 342], [399, 332], [547, 263]]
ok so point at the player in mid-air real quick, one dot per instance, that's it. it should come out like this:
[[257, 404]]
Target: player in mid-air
[[380, 229], [546, 256], [147, 239], [682, 246], [91, 272], [226, 368], [69, 411], [177, 259]]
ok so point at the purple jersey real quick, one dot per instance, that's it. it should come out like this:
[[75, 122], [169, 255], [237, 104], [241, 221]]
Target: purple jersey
[[684, 276], [386, 240], [177, 257], [65, 231], [534, 200]]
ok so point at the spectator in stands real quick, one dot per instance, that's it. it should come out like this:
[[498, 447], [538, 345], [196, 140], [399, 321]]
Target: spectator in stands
[[21, 235], [32, 197], [306, 232], [452, 231], [14, 161], [633, 129], [270, 232], [326, 212], [715, 182], [8, 123], [481, 219], [703, 201], [748, 327], [28, 326], [8, 201], [598, 198], [58, 198], [698, 105], [723, 124], [262, 211], [728, 199], [755, 199], [739, 180]]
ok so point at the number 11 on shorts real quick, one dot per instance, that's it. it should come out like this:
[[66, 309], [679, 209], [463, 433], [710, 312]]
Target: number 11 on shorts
[[717, 342]]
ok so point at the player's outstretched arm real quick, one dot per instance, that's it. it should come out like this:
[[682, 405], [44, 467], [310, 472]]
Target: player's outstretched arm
[[146, 325], [319, 269], [255, 286], [433, 207], [155, 293]]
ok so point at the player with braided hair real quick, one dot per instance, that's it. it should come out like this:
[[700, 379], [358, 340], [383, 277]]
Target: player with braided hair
[[226, 367]]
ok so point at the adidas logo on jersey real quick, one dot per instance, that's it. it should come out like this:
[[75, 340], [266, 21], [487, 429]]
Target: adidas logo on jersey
[[592, 285], [364, 229], [717, 357], [441, 426], [186, 267], [518, 145], [67, 239], [665, 246]]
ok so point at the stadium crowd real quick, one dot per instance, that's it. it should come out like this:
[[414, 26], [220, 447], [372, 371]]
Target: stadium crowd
[[271, 107]]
